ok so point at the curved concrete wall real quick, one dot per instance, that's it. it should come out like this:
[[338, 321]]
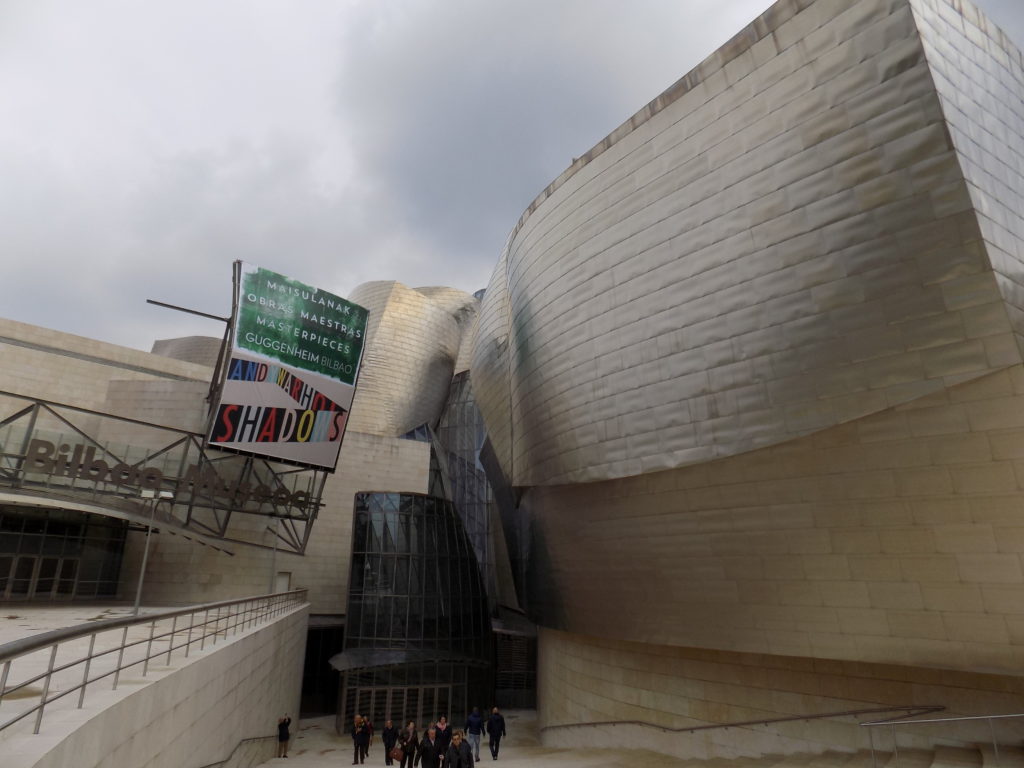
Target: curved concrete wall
[[782, 242], [588, 680], [193, 714]]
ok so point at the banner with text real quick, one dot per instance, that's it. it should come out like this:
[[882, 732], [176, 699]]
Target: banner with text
[[291, 375]]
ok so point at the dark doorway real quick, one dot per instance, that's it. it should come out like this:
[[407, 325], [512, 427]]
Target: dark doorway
[[320, 681]]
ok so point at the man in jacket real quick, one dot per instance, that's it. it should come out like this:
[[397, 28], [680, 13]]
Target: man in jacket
[[460, 755], [475, 729], [495, 729], [390, 737], [431, 750]]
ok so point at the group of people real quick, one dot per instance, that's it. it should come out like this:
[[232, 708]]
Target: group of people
[[439, 746]]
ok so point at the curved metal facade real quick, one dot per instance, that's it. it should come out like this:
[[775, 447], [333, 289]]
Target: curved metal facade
[[752, 365], [814, 225], [413, 342]]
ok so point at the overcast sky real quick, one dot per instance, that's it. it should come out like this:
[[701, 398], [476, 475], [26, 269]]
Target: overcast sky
[[146, 145]]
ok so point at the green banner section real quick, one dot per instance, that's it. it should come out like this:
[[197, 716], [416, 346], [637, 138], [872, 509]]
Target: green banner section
[[298, 325]]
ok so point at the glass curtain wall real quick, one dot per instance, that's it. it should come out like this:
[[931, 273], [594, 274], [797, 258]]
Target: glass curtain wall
[[59, 554], [460, 436], [415, 593]]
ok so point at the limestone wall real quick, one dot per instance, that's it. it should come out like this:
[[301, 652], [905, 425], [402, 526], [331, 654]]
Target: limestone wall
[[586, 679], [189, 716], [896, 539], [38, 362]]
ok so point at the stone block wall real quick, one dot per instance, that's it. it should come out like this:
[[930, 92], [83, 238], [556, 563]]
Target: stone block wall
[[587, 679], [190, 715], [893, 539]]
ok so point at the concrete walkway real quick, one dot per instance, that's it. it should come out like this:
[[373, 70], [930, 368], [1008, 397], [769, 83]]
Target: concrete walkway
[[318, 746]]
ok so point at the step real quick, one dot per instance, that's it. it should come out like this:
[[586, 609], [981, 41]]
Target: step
[[957, 757], [1009, 757]]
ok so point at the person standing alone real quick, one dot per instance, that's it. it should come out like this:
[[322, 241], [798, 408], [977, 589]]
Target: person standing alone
[[495, 729], [283, 735]]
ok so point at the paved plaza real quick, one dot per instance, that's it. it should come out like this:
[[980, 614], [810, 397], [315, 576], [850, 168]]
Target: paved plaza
[[318, 746]]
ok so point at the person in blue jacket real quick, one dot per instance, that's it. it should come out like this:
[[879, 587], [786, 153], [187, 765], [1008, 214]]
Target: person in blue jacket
[[474, 730]]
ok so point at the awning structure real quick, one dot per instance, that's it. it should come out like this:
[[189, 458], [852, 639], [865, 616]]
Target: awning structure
[[59, 456], [160, 521], [367, 658]]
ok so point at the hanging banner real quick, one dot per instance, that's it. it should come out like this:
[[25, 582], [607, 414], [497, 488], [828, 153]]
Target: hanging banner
[[290, 378]]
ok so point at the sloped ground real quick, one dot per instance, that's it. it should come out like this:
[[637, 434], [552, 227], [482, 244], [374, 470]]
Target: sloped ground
[[318, 745]]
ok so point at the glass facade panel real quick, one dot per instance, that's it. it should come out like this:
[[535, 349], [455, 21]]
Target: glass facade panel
[[415, 586], [59, 554]]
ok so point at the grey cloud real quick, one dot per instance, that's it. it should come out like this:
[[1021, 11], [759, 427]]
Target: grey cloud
[[146, 146]]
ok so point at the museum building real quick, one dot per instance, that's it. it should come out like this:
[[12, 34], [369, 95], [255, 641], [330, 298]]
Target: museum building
[[738, 424], [752, 366]]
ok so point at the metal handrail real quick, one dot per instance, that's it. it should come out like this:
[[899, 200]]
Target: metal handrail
[[227, 617], [911, 711], [963, 718], [221, 763]]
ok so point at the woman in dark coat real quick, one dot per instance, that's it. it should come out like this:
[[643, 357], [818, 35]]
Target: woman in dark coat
[[444, 734], [408, 739], [360, 740], [460, 754]]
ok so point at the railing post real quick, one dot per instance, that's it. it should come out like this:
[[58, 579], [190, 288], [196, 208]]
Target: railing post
[[46, 688], [120, 657], [871, 741], [85, 675], [170, 643], [191, 624], [206, 622], [995, 747], [149, 648], [895, 746], [3, 678]]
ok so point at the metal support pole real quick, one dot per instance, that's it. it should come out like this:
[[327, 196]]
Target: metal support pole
[[149, 648], [142, 568], [871, 741], [895, 746], [273, 556], [46, 689], [85, 675], [3, 679], [995, 747], [120, 657], [170, 644]]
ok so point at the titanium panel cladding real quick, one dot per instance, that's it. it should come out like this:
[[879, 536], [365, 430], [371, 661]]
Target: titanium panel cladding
[[413, 342], [781, 242]]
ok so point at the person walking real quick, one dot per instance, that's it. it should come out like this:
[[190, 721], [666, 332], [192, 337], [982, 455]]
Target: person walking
[[444, 736], [460, 754], [495, 730], [360, 740], [409, 741], [283, 735], [475, 729], [431, 752], [389, 736], [369, 730]]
